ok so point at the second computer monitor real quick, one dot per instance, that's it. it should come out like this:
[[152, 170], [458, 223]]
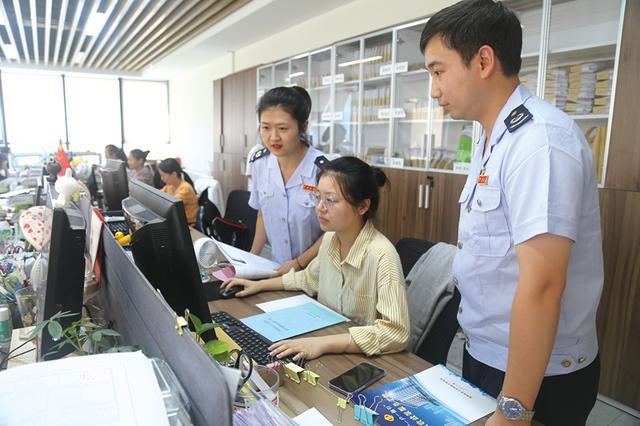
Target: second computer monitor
[[115, 184], [163, 250]]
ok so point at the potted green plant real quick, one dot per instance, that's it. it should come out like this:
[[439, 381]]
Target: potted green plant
[[216, 348], [85, 336]]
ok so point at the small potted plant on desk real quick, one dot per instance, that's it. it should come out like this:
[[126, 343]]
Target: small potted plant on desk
[[86, 337]]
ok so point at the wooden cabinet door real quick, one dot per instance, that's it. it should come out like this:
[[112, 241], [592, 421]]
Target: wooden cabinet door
[[233, 114], [397, 203], [229, 172], [623, 163], [250, 114], [445, 193], [618, 318], [406, 211], [217, 116]]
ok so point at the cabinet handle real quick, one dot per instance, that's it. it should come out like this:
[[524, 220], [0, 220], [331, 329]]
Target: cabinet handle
[[420, 195], [427, 190], [221, 142]]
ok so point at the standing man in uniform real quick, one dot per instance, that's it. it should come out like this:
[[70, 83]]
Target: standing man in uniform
[[529, 260]]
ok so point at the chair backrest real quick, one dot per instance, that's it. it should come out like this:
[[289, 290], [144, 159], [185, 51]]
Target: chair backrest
[[202, 182], [239, 211], [232, 233], [207, 212], [410, 250]]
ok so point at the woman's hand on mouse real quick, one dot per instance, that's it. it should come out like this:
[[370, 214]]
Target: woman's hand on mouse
[[250, 287]]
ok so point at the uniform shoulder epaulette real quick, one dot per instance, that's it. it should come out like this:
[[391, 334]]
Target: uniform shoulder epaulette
[[259, 154], [517, 118], [321, 161]]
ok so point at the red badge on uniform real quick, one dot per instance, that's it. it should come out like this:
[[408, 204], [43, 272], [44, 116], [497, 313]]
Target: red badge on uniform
[[310, 188], [483, 180]]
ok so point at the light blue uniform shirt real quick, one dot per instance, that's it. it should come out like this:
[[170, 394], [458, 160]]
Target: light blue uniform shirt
[[288, 210], [540, 179]]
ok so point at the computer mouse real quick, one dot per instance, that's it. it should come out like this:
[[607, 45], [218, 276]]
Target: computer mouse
[[228, 293]]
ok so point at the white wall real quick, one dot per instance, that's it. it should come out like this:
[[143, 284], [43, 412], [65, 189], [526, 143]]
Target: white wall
[[191, 92], [191, 119]]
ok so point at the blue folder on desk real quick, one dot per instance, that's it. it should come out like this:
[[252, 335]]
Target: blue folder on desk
[[294, 321]]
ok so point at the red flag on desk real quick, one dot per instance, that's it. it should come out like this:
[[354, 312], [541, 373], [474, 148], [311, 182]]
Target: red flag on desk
[[62, 159]]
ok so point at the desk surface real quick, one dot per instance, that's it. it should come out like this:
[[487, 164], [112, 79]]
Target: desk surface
[[296, 398]]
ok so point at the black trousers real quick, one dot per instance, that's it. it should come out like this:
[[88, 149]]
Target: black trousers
[[563, 400]]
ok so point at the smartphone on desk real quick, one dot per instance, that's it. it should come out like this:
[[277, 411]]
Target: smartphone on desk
[[356, 379]]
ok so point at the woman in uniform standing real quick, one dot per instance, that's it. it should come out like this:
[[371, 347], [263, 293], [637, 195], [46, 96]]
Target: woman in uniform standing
[[284, 179]]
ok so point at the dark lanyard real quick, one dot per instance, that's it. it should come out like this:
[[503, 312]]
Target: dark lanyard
[[484, 164]]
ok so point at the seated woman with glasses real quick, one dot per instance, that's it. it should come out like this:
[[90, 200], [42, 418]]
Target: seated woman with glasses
[[357, 271]]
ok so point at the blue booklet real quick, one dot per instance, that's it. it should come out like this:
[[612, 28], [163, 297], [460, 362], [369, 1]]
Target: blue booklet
[[294, 321], [436, 396]]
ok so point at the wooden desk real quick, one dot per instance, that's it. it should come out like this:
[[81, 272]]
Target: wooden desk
[[296, 398]]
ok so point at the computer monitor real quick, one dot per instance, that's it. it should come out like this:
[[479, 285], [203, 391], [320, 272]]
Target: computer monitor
[[163, 250], [115, 184], [64, 262]]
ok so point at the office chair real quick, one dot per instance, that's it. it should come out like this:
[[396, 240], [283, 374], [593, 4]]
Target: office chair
[[239, 212], [435, 347], [207, 212]]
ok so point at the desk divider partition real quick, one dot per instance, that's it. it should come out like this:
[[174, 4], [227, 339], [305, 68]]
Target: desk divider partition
[[140, 314]]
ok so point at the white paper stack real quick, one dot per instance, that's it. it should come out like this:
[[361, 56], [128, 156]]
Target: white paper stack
[[106, 389], [557, 87]]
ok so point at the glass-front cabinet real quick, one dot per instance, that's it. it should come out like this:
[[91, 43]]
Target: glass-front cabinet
[[411, 101], [265, 79], [320, 79], [375, 116], [346, 88], [371, 94], [581, 65]]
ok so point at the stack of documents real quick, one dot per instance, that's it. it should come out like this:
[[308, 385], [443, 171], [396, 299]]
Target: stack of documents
[[604, 83], [243, 264], [557, 87], [107, 389], [530, 81]]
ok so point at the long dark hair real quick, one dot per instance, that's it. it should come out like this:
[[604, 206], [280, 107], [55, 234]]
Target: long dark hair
[[294, 100], [171, 165], [116, 152], [357, 180], [139, 154]]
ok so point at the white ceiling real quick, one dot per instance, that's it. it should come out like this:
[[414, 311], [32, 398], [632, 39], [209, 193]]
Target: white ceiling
[[253, 22]]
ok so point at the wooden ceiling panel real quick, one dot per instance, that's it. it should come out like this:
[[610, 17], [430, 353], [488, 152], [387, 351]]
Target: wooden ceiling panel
[[107, 35]]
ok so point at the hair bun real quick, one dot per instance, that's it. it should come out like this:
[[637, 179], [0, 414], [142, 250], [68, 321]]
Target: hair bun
[[379, 176]]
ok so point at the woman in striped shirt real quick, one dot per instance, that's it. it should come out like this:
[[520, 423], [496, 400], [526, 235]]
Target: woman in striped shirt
[[357, 271]]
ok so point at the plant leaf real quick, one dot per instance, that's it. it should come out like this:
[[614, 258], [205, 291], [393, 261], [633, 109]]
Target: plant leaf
[[37, 330], [96, 336], [55, 330], [196, 322], [216, 347], [223, 357], [206, 327], [110, 332]]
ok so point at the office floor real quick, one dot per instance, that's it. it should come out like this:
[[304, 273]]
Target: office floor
[[602, 414]]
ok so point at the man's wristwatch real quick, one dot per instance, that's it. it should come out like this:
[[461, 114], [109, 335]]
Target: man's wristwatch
[[512, 409]]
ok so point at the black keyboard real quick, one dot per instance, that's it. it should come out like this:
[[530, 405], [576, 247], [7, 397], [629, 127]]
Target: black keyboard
[[254, 344], [119, 226]]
